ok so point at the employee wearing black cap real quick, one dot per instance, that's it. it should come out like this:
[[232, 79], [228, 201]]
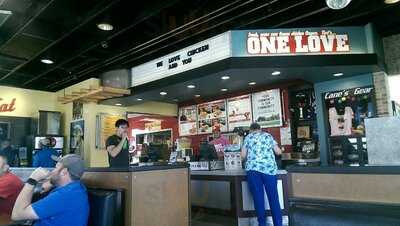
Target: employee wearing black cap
[[66, 205], [118, 145]]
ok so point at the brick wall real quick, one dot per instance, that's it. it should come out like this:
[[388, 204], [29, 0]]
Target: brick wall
[[382, 94], [391, 46]]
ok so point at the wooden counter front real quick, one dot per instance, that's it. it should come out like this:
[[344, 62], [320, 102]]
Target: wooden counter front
[[152, 197]]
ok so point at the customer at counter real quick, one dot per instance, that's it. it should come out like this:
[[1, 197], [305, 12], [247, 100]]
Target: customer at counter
[[43, 157], [10, 186], [66, 205], [118, 145], [259, 149], [8, 152]]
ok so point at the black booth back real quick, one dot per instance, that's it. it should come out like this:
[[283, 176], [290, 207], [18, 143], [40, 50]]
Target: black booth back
[[106, 207]]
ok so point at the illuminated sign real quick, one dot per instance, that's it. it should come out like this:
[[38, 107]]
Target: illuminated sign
[[7, 107]]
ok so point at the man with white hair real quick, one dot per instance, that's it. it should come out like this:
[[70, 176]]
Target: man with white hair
[[10, 186], [66, 205]]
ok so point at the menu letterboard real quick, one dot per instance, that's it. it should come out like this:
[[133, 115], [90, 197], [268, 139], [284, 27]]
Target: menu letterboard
[[212, 116], [239, 112], [188, 120]]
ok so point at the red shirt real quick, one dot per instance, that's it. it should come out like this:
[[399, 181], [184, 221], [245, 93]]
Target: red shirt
[[10, 187]]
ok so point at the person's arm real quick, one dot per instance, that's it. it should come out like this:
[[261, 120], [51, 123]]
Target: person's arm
[[114, 150], [22, 208], [277, 150], [244, 153]]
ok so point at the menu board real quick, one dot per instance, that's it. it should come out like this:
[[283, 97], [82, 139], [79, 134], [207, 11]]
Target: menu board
[[212, 116], [239, 112], [188, 120], [267, 110]]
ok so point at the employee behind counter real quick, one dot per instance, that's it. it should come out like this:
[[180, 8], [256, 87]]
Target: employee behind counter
[[118, 145]]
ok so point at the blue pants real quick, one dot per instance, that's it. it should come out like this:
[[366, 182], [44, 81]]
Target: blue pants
[[257, 182]]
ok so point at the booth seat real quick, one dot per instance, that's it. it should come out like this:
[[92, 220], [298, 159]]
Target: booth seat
[[328, 213]]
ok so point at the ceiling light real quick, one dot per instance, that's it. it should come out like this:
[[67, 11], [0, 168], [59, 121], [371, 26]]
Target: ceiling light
[[337, 4], [139, 99], [6, 12], [252, 83], [47, 61], [163, 93], [105, 26], [191, 86], [224, 90], [118, 104], [197, 95], [338, 74], [225, 77], [391, 1], [276, 73]]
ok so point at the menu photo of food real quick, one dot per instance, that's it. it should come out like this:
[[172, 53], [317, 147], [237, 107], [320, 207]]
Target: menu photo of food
[[188, 121], [211, 110], [208, 125]]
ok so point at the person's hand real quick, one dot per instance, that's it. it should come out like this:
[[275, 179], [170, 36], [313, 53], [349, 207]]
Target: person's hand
[[40, 174], [124, 136], [46, 186]]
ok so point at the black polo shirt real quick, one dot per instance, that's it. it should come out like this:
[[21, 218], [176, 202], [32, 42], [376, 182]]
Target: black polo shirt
[[122, 159]]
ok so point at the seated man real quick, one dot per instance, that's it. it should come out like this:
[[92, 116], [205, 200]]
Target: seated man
[[10, 186], [66, 205]]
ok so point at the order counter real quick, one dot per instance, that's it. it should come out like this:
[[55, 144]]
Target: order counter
[[226, 194], [345, 196], [155, 195]]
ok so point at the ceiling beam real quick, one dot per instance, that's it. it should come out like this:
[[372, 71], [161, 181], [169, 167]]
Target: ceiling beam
[[151, 12], [105, 5], [33, 12]]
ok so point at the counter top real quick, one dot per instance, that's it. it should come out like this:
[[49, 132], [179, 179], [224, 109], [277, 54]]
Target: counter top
[[345, 169], [147, 167], [225, 172]]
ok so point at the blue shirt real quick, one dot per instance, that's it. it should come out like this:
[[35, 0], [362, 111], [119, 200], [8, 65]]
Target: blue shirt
[[64, 206], [42, 158], [260, 153]]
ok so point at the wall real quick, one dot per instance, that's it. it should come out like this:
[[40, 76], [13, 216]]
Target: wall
[[28, 102], [323, 87], [275, 132], [392, 54], [98, 158]]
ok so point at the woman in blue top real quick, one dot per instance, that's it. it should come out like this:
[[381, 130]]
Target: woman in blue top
[[259, 149]]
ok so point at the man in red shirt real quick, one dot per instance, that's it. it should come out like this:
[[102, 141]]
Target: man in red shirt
[[10, 187]]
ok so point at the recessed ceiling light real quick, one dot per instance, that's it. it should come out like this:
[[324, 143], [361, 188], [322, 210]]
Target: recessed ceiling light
[[191, 86], [163, 93], [6, 12], [224, 90], [118, 104], [276, 73], [139, 99], [197, 95], [391, 1], [252, 83], [47, 61], [225, 77], [337, 4], [105, 26], [338, 74]]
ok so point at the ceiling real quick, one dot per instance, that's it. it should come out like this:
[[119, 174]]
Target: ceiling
[[65, 31]]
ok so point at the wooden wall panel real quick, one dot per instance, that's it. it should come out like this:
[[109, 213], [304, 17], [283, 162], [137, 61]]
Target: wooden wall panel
[[347, 187]]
